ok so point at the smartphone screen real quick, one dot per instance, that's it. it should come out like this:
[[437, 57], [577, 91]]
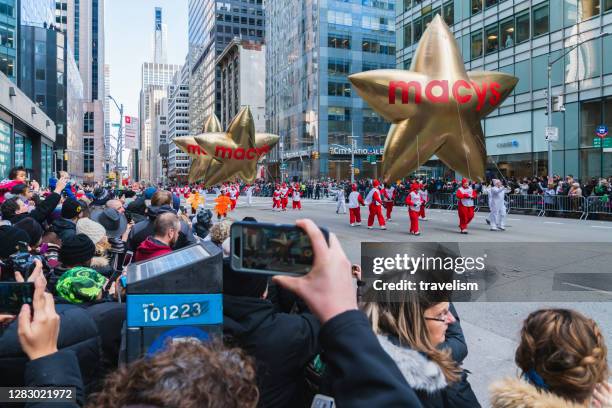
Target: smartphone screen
[[271, 248], [13, 295]]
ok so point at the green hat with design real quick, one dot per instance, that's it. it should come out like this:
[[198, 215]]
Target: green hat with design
[[80, 284]]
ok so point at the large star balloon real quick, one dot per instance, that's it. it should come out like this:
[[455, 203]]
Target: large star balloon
[[435, 107], [200, 161], [235, 152]]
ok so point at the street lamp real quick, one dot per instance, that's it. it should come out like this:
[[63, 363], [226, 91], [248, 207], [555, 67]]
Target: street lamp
[[549, 97], [119, 150]]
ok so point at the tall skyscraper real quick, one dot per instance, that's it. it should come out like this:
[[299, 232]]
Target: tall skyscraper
[[311, 48], [107, 124], [84, 27], [155, 77], [211, 27], [160, 39], [178, 123], [520, 37]]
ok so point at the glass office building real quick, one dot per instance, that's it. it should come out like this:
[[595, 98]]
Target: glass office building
[[8, 38], [519, 37], [311, 48]]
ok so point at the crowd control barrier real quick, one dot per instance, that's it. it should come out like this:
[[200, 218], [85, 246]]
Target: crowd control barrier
[[598, 205]]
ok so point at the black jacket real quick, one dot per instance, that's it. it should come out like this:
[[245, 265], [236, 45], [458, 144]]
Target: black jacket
[[144, 229], [60, 369], [282, 344], [77, 332], [42, 210], [362, 374], [64, 228]]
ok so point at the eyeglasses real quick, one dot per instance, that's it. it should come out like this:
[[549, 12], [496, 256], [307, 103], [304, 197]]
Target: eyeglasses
[[442, 317]]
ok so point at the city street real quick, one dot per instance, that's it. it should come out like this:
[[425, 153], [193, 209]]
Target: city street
[[491, 329]]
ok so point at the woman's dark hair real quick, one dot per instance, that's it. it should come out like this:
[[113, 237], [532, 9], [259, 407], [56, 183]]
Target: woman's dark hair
[[14, 171], [187, 374]]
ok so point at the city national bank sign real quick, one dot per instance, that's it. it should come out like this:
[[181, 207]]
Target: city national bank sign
[[359, 151]]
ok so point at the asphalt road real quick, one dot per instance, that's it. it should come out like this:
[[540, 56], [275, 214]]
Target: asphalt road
[[491, 329]]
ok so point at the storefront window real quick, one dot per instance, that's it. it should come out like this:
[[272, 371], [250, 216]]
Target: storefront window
[[506, 32], [590, 164], [476, 47], [19, 150], [522, 27], [492, 38], [5, 149], [540, 20], [590, 118]]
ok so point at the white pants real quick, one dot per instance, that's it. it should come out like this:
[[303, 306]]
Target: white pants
[[341, 207], [498, 217]]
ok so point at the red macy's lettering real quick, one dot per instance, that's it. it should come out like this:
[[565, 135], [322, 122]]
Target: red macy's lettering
[[443, 96], [241, 153], [195, 149]]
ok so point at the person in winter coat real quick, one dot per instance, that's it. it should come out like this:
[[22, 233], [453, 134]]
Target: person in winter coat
[[355, 201], [374, 203], [65, 227], [465, 206], [281, 343], [276, 199], [284, 196], [202, 223], [413, 330], [166, 233], [497, 204], [296, 198], [414, 203], [341, 201], [389, 194], [563, 359], [14, 210], [424, 193], [161, 202]]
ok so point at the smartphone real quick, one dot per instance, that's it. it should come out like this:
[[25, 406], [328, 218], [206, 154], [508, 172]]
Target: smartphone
[[272, 249], [127, 259], [15, 294]]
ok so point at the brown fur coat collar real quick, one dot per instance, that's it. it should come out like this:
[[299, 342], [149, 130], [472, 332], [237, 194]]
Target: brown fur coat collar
[[518, 393]]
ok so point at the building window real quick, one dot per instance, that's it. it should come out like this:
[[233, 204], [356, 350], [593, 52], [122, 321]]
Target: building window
[[492, 35], [522, 27], [489, 3], [476, 47], [449, 13], [587, 9], [540, 20], [418, 29], [607, 5], [338, 113], [476, 6], [88, 122], [407, 35], [339, 41], [7, 36], [7, 66], [338, 89], [88, 155], [506, 32], [335, 67], [40, 74]]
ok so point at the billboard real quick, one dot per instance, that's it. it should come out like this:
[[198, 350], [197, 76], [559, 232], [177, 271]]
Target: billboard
[[130, 129]]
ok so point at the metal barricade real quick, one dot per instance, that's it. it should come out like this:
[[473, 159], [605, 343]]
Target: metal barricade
[[598, 205], [482, 202], [443, 200], [565, 204], [523, 202]]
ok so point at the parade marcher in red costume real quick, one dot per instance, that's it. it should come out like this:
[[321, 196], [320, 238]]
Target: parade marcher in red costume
[[414, 203], [424, 199], [276, 199], [374, 202], [296, 197], [232, 193], [389, 199], [465, 208], [284, 195], [354, 202]]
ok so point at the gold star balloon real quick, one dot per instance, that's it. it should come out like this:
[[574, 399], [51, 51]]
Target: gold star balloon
[[235, 153], [435, 107], [200, 161]]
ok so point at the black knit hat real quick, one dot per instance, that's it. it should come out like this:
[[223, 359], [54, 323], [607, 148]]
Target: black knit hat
[[32, 228], [19, 189], [10, 238], [71, 208], [76, 250]]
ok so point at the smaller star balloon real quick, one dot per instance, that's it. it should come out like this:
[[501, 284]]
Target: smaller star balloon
[[237, 151], [200, 161]]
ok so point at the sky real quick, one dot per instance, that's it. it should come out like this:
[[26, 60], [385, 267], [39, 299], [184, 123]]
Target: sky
[[128, 30]]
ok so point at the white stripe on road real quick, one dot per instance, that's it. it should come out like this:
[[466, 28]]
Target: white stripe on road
[[600, 226], [552, 222], [605, 292]]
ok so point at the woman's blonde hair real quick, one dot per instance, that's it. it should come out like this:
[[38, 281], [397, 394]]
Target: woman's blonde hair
[[405, 318], [566, 349], [220, 231]]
